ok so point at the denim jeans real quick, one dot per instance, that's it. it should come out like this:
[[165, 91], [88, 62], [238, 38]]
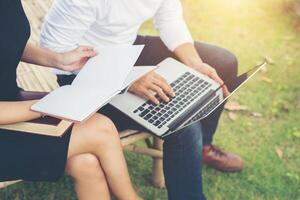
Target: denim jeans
[[182, 164]]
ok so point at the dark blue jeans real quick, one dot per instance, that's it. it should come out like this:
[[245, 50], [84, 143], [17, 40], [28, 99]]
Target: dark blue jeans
[[182, 164]]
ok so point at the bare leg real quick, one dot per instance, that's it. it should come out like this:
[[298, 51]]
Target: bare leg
[[98, 136], [89, 178]]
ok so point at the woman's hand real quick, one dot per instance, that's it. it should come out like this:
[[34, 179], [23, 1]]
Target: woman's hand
[[69, 61], [76, 59], [149, 83]]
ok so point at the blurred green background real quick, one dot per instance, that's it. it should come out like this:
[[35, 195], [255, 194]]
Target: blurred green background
[[266, 135]]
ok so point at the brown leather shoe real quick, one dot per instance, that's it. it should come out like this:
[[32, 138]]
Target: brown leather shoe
[[221, 160]]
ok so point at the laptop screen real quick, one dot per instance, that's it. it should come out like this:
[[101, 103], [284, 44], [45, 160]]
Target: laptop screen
[[237, 82], [232, 85]]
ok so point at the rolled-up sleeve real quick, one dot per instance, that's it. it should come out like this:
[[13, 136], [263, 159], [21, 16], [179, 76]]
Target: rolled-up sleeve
[[170, 24]]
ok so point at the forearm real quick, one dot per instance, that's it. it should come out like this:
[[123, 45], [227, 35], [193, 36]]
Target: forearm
[[13, 112], [39, 56], [188, 54]]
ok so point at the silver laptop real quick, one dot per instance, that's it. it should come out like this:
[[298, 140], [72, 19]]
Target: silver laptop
[[196, 96]]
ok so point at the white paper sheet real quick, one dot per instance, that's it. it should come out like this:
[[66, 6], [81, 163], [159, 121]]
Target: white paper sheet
[[109, 68], [136, 73], [99, 80]]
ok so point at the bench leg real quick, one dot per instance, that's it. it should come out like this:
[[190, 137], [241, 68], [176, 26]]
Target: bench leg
[[157, 167]]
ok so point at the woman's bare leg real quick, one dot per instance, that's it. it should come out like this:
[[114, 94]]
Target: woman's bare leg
[[90, 181], [99, 137]]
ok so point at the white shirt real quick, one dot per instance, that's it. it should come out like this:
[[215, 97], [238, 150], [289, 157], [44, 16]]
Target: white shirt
[[70, 23]]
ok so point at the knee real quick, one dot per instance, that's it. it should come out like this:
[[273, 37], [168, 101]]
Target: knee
[[103, 123], [85, 167], [230, 63], [104, 132]]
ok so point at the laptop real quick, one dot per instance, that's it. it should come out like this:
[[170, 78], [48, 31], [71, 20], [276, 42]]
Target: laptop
[[196, 96]]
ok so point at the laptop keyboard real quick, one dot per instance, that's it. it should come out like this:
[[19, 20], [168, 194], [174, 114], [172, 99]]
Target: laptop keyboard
[[212, 104], [186, 88]]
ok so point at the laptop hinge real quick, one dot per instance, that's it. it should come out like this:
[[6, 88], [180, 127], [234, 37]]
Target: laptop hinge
[[189, 112]]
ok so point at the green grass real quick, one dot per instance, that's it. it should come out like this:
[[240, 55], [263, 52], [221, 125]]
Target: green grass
[[252, 29]]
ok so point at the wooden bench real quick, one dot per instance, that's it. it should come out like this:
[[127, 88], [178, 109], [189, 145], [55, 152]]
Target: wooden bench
[[35, 78]]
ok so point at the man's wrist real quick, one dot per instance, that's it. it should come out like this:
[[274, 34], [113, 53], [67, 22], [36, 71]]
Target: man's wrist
[[194, 62]]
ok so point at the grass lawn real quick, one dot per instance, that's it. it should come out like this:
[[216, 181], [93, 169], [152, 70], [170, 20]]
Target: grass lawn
[[270, 143]]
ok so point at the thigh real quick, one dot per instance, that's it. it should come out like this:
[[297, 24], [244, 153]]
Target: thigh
[[154, 51], [121, 121], [91, 135], [219, 58]]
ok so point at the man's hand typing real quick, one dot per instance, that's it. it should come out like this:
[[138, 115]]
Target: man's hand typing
[[149, 83]]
